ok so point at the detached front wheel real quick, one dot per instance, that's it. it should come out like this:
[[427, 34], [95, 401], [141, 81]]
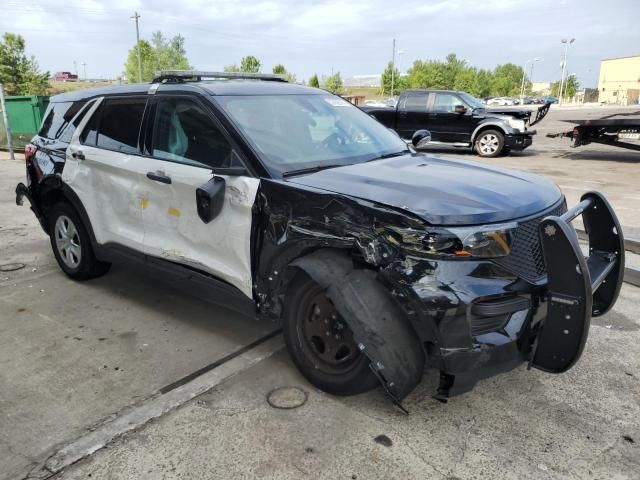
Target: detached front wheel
[[320, 342], [489, 143]]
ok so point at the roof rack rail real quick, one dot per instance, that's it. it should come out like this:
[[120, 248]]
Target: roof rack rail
[[179, 76]]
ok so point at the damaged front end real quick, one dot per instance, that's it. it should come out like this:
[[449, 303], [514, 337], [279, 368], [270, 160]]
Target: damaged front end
[[460, 307]]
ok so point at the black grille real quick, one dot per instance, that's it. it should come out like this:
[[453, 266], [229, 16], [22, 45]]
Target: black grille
[[525, 259]]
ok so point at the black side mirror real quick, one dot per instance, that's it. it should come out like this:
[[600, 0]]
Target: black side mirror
[[421, 138], [461, 109], [230, 171], [210, 199]]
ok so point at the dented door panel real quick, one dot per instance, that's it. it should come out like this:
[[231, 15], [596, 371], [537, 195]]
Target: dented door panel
[[175, 232]]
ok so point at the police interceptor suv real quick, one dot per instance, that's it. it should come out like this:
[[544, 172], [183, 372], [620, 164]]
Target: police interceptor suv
[[378, 260]]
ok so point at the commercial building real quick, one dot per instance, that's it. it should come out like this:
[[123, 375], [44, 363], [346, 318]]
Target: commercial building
[[619, 80]]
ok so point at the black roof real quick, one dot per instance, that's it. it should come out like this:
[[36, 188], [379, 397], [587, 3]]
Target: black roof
[[212, 87]]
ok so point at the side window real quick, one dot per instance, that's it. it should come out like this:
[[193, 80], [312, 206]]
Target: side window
[[446, 102], [184, 132], [73, 123], [90, 132], [54, 119], [416, 102], [119, 126]]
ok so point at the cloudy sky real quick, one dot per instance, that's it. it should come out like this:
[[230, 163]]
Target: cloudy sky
[[353, 37]]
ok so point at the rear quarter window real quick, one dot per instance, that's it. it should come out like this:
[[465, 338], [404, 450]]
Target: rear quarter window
[[58, 117]]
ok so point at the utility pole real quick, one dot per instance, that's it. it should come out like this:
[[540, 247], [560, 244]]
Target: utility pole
[[393, 66], [564, 64], [524, 70], [136, 17], [5, 118], [84, 67]]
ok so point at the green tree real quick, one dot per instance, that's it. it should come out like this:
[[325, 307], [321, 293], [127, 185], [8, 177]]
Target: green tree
[[231, 68], [314, 82], [570, 88], [159, 54], [507, 80], [280, 70], [333, 83], [250, 64], [399, 82], [20, 74]]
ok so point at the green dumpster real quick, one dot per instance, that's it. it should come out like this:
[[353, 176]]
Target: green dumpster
[[25, 114]]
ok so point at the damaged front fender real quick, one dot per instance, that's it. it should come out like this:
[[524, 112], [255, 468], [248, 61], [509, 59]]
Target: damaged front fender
[[379, 325]]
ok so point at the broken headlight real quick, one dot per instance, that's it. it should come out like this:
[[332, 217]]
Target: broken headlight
[[489, 241]]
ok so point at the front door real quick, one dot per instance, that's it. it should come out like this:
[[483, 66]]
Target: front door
[[186, 143], [446, 124]]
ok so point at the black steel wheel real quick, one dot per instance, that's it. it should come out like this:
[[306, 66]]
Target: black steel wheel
[[321, 343]]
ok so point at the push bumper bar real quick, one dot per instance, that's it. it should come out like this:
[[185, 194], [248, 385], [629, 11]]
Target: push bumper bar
[[579, 287]]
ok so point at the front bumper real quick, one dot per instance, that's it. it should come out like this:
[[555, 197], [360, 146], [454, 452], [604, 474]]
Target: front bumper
[[518, 141], [476, 319]]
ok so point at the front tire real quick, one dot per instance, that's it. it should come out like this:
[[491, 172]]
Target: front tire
[[320, 343], [71, 244], [489, 143]]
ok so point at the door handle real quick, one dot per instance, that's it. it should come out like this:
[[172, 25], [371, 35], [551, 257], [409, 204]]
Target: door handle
[[159, 177], [78, 155]]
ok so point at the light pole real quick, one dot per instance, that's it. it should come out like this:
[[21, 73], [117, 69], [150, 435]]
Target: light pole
[[84, 67], [524, 74], [564, 64], [393, 65]]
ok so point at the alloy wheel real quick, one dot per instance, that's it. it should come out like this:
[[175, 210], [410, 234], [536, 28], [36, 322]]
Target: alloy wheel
[[489, 144], [68, 241]]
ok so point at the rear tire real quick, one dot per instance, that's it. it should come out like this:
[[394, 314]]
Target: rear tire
[[320, 342], [489, 143], [71, 244]]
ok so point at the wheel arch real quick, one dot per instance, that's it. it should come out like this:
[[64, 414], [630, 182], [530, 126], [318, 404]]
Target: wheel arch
[[488, 125], [52, 190], [380, 326]]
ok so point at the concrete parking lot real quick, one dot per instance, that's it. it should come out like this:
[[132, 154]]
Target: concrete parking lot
[[80, 361]]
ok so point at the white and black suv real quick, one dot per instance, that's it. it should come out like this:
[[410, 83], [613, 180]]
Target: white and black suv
[[377, 259]]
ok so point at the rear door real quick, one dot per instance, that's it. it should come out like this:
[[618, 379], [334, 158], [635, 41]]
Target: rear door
[[185, 143], [103, 167], [412, 114], [446, 124]]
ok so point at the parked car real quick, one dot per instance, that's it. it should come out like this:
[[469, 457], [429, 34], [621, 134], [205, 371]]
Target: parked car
[[459, 119], [501, 101], [550, 100], [378, 260]]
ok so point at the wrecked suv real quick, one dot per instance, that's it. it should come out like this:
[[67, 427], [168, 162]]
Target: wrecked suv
[[379, 261]]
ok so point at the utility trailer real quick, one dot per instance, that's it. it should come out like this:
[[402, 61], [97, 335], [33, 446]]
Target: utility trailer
[[619, 130]]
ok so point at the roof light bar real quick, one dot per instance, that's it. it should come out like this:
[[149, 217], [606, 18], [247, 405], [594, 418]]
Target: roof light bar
[[164, 76]]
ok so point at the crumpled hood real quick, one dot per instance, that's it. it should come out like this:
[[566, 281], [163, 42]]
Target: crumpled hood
[[442, 192]]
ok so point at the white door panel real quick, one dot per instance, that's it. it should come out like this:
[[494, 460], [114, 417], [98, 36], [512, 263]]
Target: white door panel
[[175, 232], [108, 185]]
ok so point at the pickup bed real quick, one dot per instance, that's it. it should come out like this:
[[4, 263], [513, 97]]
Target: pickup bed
[[459, 119]]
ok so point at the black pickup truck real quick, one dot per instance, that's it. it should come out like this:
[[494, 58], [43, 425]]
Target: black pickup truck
[[459, 119]]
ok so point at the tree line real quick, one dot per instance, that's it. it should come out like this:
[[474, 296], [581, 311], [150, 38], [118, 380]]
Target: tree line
[[456, 74]]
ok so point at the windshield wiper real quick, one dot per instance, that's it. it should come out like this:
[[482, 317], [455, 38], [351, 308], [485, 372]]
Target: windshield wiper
[[391, 155], [302, 171]]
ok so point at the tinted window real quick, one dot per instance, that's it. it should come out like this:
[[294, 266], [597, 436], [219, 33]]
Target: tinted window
[[90, 132], [446, 102], [74, 122], [120, 121], [185, 133], [415, 103]]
